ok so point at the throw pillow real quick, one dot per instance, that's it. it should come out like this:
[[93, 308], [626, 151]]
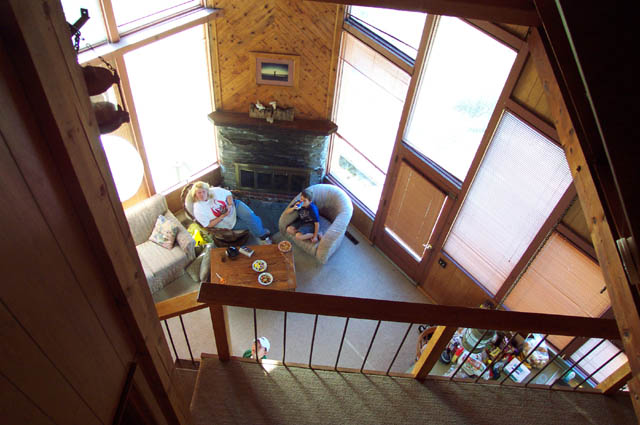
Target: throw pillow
[[205, 266], [193, 269], [164, 232]]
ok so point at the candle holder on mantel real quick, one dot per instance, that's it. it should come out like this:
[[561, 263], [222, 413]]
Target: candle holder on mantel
[[271, 112]]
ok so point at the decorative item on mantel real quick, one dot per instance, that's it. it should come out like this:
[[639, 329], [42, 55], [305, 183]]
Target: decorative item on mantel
[[271, 112]]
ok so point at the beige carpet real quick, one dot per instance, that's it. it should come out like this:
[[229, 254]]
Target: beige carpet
[[235, 392], [354, 270]]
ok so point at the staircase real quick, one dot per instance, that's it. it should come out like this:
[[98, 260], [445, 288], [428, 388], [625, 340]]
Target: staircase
[[240, 391]]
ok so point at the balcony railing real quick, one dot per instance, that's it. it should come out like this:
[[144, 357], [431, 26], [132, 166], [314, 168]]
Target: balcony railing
[[449, 319]]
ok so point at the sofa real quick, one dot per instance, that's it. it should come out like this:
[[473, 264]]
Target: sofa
[[335, 208], [161, 266]]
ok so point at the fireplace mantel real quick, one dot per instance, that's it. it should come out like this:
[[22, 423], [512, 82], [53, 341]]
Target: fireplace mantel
[[242, 120]]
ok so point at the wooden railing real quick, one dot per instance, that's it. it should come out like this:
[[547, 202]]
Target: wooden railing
[[448, 318]]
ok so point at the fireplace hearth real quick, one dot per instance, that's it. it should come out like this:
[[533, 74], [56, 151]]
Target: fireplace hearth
[[283, 157]]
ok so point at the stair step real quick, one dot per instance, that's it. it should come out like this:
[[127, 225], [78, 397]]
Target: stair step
[[246, 392]]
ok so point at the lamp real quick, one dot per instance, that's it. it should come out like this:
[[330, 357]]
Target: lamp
[[125, 164]]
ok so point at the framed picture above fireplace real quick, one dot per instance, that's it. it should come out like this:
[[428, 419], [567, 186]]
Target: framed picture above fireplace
[[276, 69]]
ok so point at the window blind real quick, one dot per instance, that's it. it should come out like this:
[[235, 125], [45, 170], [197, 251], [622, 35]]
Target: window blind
[[520, 181], [598, 357]]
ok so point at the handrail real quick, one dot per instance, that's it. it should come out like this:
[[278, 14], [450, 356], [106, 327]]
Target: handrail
[[396, 311], [179, 305]]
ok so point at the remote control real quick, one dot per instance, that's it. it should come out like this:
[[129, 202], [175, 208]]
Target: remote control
[[246, 251]]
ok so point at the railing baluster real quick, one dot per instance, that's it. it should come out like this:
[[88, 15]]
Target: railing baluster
[[255, 335], [598, 369], [558, 354], [398, 350], [470, 352], [576, 363], [344, 332], [186, 338], [171, 339], [370, 345], [498, 357], [284, 339], [315, 324], [525, 359]]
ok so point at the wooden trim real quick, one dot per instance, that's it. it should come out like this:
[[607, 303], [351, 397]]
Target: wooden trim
[[395, 311], [176, 306], [135, 124], [431, 353], [616, 380], [518, 12], [113, 36], [532, 119], [220, 322], [556, 215], [334, 62], [150, 35], [577, 240], [369, 42], [620, 293], [498, 33]]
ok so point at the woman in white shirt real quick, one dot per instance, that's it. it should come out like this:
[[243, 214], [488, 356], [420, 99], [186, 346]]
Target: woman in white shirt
[[214, 207]]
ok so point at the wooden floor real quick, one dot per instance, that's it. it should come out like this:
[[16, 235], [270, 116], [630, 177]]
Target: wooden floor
[[237, 392]]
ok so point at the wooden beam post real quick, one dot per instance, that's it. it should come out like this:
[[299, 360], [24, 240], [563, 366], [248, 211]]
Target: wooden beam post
[[432, 351], [220, 321], [618, 288]]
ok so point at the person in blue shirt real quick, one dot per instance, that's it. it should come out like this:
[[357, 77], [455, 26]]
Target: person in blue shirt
[[307, 225]]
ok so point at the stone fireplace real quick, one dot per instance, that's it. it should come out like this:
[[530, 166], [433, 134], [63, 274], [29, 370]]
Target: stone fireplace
[[283, 157]]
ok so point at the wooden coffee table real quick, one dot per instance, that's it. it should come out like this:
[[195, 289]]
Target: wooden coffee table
[[239, 272]]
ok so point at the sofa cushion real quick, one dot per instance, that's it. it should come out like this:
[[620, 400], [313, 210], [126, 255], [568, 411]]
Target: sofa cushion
[[164, 232], [161, 266], [142, 217]]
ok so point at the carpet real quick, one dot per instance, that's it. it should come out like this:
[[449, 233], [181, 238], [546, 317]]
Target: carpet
[[237, 392]]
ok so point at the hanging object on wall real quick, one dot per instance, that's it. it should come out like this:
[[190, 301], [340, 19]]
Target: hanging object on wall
[[75, 28], [109, 117], [99, 79]]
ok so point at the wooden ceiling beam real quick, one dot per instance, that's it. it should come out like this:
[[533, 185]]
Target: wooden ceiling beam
[[517, 12]]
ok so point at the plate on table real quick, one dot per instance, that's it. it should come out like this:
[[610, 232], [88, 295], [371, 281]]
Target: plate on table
[[259, 266], [284, 246], [265, 279]]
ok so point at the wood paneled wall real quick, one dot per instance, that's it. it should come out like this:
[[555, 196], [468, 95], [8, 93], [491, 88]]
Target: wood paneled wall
[[74, 306], [295, 27]]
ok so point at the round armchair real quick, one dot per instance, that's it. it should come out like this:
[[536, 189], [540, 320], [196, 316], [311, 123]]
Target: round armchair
[[335, 209]]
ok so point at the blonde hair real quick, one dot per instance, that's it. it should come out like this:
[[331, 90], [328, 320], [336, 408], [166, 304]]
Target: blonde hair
[[196, 186]]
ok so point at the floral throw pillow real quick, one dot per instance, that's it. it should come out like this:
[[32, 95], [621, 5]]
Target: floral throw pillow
[[164, 233]]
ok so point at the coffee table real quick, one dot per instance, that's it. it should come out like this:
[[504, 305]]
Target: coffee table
[[238, 271]]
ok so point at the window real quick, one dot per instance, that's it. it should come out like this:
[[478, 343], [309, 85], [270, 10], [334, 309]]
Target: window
[[599, 356], [130, 15], [459, 88], [521, 179], [172, 100], [93, 31], [371, 96], [560, 280], [398, 29]]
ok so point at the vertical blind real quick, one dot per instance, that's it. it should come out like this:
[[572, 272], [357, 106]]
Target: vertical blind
[[521, 179]]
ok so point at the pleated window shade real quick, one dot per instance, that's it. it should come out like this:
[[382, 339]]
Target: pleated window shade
[[521, 179], [598, 357], [560, 280]]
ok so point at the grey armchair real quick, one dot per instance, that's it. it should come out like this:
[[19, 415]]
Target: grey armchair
[[335, 209]]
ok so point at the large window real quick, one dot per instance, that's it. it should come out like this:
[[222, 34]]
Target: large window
[[398, 29], [172, 101], [459, 88], [371, 96], [599, 353], [521, 179], [164, 75]]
